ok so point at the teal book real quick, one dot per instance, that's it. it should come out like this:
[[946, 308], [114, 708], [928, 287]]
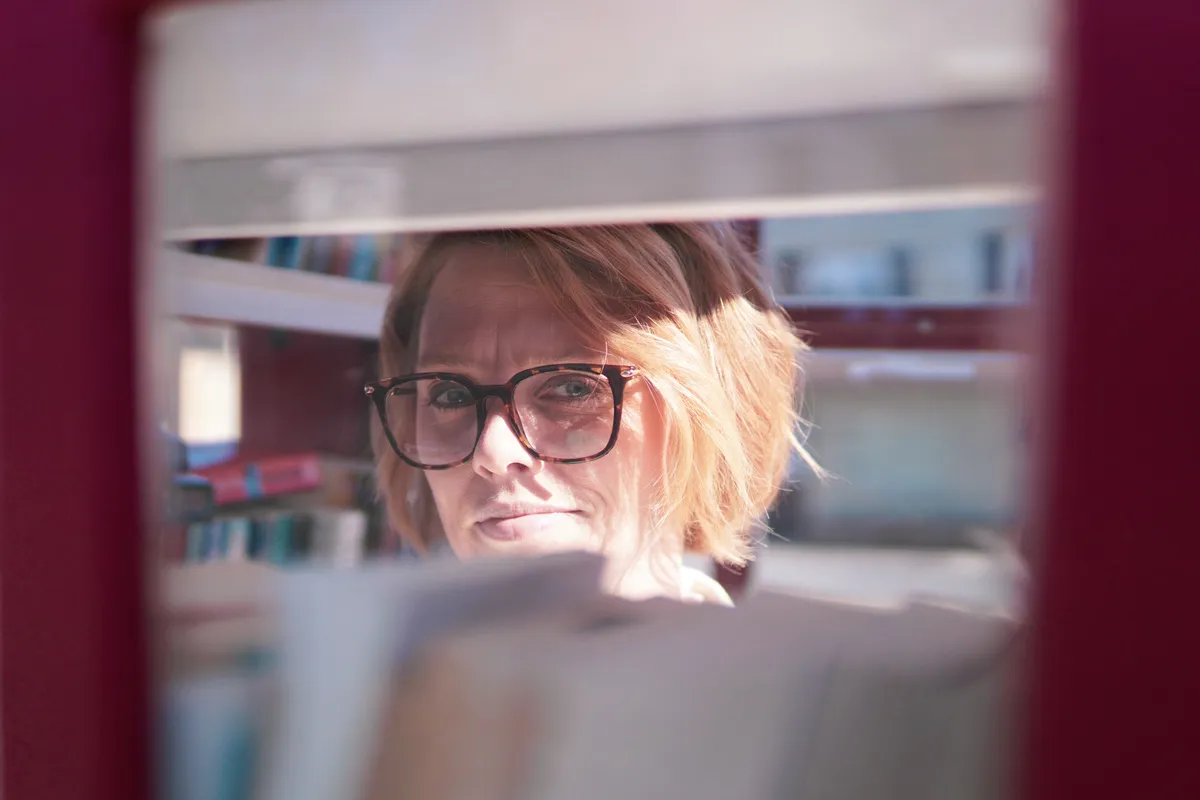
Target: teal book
[[362, 260]]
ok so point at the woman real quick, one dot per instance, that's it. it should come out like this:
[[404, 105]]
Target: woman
[[626, 389]]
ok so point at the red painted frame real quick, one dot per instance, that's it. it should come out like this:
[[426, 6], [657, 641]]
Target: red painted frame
[[74, 675], [1115, 678], [910, 328]]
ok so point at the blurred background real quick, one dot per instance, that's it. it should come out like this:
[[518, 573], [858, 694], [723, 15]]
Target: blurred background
[[914, 397], [880, 159]]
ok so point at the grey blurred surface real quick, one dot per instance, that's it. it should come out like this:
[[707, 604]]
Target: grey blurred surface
[[990, 579]]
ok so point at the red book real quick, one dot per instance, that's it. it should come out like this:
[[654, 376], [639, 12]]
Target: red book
[[343, 254], [238, 481]]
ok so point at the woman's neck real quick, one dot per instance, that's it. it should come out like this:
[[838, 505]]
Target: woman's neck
[[656, 573]]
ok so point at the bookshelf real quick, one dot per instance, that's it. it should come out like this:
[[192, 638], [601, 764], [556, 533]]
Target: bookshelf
[[225, 290]]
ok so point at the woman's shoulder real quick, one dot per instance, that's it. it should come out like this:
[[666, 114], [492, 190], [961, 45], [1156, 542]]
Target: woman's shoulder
[[696, 587]]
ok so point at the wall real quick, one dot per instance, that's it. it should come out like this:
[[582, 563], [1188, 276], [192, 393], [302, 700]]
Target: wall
[[912, 462], [945, 244], [303, 391]]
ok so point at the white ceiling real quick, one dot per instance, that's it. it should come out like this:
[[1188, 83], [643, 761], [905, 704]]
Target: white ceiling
[[286, 75]]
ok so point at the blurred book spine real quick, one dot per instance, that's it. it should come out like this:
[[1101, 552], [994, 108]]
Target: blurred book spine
[[287, 509], [360, 257], [239, 481], [333, 536]]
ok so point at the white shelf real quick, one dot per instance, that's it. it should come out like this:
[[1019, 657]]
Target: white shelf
[[252, 294], [917, 158], [802, 301], [259, 77], [925, 366]]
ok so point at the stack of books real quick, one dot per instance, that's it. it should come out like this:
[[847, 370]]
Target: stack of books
[[284, 509], [363, 257], [518, 679], [336, 536]]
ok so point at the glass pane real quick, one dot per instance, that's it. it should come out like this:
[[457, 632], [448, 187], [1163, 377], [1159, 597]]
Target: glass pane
[[566, 414], [433, 421]]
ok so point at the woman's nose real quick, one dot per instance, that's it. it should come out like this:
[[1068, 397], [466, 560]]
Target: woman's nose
[[499, 451]]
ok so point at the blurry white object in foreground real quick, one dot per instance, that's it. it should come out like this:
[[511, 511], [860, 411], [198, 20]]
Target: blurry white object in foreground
[[984, 579], [342, 633], [660, 699], [517, 679]]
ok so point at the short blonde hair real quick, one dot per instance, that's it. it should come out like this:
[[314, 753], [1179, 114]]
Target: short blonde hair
[[685, 303]]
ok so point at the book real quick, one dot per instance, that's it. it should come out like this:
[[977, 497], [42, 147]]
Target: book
[[625, 703], [285, 252], [252, 250], [210, 730], [332, 536], [343, 633], [517, 679], [215, 621], [285, 509], [318, 255], [457, 692], [364, 258], [343, 254], [242, 480]]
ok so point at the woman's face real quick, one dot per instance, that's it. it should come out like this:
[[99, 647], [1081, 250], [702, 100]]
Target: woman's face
[[486, 320]]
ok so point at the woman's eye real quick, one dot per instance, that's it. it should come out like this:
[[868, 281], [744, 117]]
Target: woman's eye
[[450, 395], [572, 389]]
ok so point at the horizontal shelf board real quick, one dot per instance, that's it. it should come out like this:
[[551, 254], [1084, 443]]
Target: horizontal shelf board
[[254, 294], [944, 157], [800, 301]]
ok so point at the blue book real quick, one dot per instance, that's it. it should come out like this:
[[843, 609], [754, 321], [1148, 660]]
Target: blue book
[[271, 257], [257, 544], [285, 252], [281, 539], [210, 733], [221, 544], [208, 548], [195, 542], [362, 260], [318, 255]]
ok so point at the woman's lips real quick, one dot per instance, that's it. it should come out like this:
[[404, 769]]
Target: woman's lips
[[523, 525]]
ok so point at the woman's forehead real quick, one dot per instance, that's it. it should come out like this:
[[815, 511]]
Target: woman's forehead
[[483, 308], [486, 285], [481, 275]]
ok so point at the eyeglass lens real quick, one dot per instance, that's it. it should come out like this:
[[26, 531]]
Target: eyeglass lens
[[563, 415]]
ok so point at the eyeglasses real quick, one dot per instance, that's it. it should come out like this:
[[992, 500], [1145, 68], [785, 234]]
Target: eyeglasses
[[561, 413]]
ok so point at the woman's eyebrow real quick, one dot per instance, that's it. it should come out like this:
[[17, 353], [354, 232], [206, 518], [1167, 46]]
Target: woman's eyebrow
[[455, 362]]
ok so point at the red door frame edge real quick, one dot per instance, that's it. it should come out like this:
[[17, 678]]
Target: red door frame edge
[[74, 678], [1114, 679], [1115, 661]]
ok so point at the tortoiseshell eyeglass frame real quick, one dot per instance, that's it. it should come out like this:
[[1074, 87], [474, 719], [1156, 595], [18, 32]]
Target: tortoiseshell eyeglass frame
[[617, 376]]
